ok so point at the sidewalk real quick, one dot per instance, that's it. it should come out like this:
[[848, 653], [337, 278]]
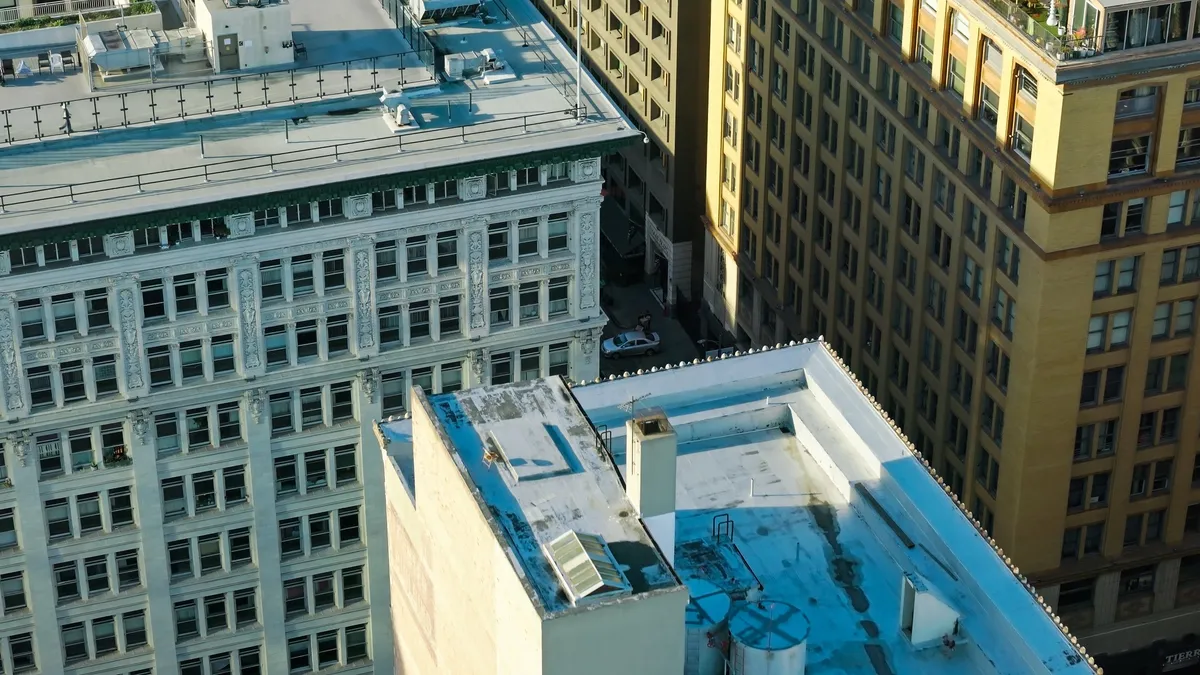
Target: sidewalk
[[627, 304]]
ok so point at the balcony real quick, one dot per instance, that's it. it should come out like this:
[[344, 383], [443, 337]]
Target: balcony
[[1033, 19], [31, 15], [1089, 28]]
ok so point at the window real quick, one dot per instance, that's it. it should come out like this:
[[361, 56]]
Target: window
[[527, 237], [174, 498], [95, 302], [89, 512], [290, 542], [209, 547], [499, 301], [154, 302], [348, 525], [498, 242], [239, 547], [33, 327], [295, 602], [134, 624], [216, 617], [128, 574], [271, 279], [299, 656], [311, 412], [66, 582], [385, 260], [1129, 156], [391, 331], [74, 639], [418, 321], [185, 294], [62, 307], [191, 359], [1022, 137], [894, 22], [186, 623], [416, 257], [12, 592], [528, 300], [448, 317], [281, 413], [245, 607], [307, 340], [96, 571]]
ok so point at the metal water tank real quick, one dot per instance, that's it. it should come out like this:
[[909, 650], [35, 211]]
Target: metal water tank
[[768, 638], [707, 637]]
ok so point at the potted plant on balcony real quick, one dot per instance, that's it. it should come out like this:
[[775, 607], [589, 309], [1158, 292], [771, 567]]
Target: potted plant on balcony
[[116, 457]]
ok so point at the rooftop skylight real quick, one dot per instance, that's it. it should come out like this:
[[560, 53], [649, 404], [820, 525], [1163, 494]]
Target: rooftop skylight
[[586, 566]]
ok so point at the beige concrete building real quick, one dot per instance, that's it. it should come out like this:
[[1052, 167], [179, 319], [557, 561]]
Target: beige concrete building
[[649, 55], [994, 221], [758, 514]]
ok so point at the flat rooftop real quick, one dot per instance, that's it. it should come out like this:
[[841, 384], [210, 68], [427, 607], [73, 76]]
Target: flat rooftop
[[117, 164], [537, 463], [793, 491]]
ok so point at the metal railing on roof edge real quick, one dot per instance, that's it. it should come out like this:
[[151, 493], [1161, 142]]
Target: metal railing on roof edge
[[60, 8], [170, 102], [270, 163]]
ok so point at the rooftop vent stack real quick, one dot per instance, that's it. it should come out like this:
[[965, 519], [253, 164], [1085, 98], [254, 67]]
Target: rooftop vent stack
[[650, 475]]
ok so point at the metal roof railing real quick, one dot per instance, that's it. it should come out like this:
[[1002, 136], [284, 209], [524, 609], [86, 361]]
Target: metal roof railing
[[209, 97], [262, 165]]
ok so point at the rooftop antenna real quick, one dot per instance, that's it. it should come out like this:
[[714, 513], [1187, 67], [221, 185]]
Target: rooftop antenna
[[630, 405]]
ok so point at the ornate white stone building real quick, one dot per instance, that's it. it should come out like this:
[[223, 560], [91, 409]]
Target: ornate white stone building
[[190, 372]]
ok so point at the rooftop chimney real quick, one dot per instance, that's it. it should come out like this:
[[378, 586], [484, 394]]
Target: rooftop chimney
[[650, 474]]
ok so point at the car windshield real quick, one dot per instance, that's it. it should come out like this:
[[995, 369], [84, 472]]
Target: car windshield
[[624, 339]]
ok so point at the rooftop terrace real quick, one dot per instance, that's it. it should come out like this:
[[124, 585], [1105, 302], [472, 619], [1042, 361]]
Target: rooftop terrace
[[792, 490], [193, 142]]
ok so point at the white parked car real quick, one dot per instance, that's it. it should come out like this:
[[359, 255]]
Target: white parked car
[[631, 343]]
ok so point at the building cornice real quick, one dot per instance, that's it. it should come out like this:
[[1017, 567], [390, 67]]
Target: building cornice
[[316, 192]]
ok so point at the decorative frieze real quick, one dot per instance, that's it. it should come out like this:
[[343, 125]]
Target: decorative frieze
[[586, 170], [479, 360], [129, 330], [368, 380], [240, 225], [470, 189], [19, 444], [364, 307], [588, 259], [254, 399], [10, 359], [476, 268], [118, 244], [358, 206], [247, 295], [588, 339], [139, 423]]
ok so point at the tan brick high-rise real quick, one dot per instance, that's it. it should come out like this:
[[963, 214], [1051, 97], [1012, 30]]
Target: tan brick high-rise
[[999, 228]]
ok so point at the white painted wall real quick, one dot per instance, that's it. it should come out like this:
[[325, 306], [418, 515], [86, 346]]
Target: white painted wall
[[261, 32]]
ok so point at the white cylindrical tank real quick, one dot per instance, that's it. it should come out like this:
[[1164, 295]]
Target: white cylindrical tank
[[707, 637], [767, 638]]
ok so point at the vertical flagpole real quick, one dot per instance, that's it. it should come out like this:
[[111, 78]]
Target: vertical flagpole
[[578, 59]]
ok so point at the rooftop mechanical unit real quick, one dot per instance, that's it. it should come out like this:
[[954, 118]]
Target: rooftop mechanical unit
[[439, 11]]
